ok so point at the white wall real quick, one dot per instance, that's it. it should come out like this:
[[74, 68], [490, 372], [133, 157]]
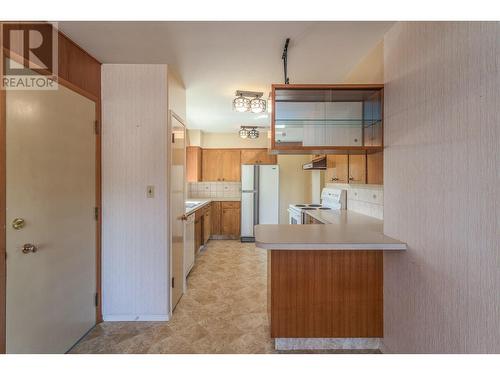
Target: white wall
[[135, 261], [295, 183], [441, 187]]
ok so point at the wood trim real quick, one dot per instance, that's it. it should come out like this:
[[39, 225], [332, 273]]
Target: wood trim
[[340, 86], [321, 294], [80, 72], [3, 204]]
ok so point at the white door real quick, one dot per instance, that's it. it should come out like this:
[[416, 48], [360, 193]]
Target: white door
[[51, 186], [177, 206]]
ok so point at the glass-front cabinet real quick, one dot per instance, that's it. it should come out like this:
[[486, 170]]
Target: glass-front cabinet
[[346, 118]]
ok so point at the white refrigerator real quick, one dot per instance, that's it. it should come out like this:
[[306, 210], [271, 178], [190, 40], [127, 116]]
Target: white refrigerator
[[259, 198]]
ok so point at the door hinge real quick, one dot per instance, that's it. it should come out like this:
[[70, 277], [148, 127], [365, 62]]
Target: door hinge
[[96, 299], [173, 282], [96, 213], [96, 127]]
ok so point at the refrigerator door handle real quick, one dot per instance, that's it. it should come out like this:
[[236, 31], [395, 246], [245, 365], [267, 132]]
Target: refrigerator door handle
[[256, 176]]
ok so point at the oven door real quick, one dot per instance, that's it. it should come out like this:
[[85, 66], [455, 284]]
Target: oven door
[[294, 217]]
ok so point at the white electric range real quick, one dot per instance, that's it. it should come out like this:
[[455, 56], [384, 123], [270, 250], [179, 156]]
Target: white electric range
[[331, 199]]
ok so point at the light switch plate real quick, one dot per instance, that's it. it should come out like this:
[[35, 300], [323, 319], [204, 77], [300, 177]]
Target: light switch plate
[[150, 191]]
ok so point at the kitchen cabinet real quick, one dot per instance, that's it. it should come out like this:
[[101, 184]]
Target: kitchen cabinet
[[221, 165], [257, 156], [306, 118], [198, 230], [215, 222], [193, 164], [337, 169], [357, 169], [206, 223], [230, 219], [375, 168], [225, 220], [211, 165]]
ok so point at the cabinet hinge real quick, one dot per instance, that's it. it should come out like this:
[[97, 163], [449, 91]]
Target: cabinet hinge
[[96, 299], [96, 213], [97, 128], [173, 282]]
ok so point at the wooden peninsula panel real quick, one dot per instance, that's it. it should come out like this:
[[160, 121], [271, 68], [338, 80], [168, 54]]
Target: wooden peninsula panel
[[324, 294]]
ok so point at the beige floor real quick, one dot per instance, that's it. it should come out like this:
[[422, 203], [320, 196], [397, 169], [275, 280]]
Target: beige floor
[[223, 311]]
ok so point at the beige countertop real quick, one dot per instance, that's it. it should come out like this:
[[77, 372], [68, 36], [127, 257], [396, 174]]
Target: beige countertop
[[343, 230], [204, 201]]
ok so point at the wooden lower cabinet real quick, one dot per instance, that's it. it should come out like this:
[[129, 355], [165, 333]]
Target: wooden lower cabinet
[[225, 220], [322, 293], [216, 209], [207, 213], [230, 219], [198, 230]]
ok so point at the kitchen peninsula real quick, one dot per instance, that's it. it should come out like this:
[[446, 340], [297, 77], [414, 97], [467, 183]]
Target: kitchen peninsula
[[325, 281]]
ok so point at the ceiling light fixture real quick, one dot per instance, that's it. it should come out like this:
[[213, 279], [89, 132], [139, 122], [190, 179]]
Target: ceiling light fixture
[[243, 133], [253, 133], [257, 105], [249, 101], [241, 104]]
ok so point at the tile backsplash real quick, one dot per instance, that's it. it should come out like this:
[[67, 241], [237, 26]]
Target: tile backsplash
[[364, 199], [214, 189]]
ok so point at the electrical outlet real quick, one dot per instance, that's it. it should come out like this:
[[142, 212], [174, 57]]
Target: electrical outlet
[[150, 191]]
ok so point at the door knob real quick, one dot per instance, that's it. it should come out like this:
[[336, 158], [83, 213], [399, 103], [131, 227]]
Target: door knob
[[29, 248], [18, 223]]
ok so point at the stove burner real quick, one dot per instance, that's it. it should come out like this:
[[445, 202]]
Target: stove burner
[[314, 205], [325, 208], [300, 205], [308, 208]]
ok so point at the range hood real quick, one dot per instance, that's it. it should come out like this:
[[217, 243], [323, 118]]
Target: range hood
[[318, 163]]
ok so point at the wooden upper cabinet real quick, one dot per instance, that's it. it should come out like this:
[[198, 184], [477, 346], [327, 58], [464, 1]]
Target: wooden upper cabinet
[[231, 165], [211, 165], [193, 164], [336, 169], [375, 168], [357, 169], [221, 165], [257, 156]]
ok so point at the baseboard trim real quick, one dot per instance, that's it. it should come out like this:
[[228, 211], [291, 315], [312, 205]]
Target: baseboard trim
[[327, 343], [136, 318]]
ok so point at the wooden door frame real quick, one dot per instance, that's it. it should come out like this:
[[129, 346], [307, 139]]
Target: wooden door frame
[[3, 199], [172, 114]]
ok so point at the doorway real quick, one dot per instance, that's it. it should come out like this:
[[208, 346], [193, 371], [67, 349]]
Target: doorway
[[177, 205], [50, 219]]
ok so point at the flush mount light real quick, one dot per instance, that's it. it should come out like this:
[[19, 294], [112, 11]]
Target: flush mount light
[[257, 105], [241, 104], [249, 101], [253, 133], [243, 133]]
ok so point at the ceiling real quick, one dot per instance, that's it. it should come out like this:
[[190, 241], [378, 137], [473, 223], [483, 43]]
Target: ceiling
[[214, 59]]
